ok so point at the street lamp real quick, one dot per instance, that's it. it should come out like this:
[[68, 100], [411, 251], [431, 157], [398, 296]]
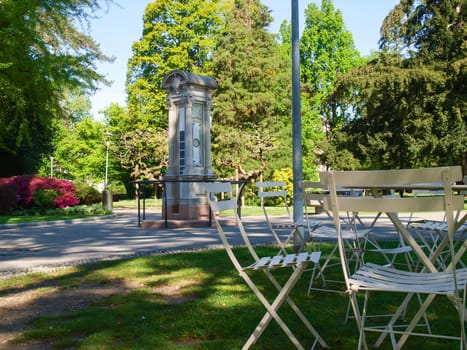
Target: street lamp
[[296, 124], [106, 194], [107, 143]]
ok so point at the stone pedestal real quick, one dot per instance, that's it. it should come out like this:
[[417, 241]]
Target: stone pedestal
[[187, 200], [189, 102]]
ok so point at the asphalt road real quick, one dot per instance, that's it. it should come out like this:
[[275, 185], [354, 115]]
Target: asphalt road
[[35, 247]]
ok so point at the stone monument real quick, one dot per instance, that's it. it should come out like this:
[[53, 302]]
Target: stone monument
[[189, 102]]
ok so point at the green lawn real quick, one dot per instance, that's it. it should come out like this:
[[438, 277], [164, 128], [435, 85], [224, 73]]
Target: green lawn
[[38, 218], [192, 300], [131, 203], [15, 219], [31, 215]]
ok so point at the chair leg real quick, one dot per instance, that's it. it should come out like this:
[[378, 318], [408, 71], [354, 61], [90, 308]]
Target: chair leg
[[272, 309], [462, 321], [361, 338], [282, 246], [353, 302], [290, 238], [425, 317], [316, 268], [394, 318], [318, 271], [356, 254], [298, 312], [421, 312], [303, 243], [400, 312]]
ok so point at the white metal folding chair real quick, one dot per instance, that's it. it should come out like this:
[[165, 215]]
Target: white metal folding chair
[[391, 254], [354, 237], [431, 231], [295, 263], [373, 278], [274, 191]]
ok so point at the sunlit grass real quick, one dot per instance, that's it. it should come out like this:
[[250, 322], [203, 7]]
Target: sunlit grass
[[69, 213], [195, 300], [150, 203], [39, 218]]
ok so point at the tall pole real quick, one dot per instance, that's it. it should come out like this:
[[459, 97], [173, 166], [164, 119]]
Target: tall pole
[[51, 166], [296, 122], [106, 163]]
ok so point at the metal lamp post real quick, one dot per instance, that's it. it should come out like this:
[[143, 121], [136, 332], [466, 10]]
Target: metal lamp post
[[106, 193], [107, 143], [296, 122]]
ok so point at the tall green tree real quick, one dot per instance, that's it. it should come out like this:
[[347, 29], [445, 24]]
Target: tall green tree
[[401, 119], [433, 35], [76, 106], [177, 34], [44, 51], [142, 153], [251, 76], [327, 50], [78, 143], [410, 100], [281, 156], [79, 151], [428, 30]]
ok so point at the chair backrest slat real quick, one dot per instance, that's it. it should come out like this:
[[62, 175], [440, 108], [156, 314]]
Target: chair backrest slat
[[224, 205], [271, 194], [313, 191], [394, 204], [368, 178], [375, 178]]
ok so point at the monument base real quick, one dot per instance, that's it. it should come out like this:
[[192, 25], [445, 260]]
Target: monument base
[[227, 221], [191, 212], [174, 223]]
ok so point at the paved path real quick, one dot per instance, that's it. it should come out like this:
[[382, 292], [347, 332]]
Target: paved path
[[35, 247]]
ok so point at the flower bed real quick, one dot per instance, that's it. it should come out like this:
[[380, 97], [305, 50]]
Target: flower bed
[[41, 191]]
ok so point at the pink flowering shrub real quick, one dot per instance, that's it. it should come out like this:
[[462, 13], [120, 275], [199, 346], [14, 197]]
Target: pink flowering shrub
[[27, 185]]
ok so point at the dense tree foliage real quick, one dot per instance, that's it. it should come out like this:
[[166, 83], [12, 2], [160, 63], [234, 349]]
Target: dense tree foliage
[[327, 50], [80, 152], [251, 78], [227, 40], [402, 122], [76, 106], [117, 122], [44, 51], [141, 152], [410, 101], [427, 30], [176, 35], [405, 106]]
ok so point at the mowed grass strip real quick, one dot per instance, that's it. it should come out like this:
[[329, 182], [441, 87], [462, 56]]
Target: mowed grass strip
[[193, 300]]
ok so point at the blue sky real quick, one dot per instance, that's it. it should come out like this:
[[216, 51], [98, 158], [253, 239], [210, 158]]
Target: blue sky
[[120, 26]]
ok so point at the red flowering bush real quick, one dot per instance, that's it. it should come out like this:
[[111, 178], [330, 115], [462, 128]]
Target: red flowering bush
[[27, 185]]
